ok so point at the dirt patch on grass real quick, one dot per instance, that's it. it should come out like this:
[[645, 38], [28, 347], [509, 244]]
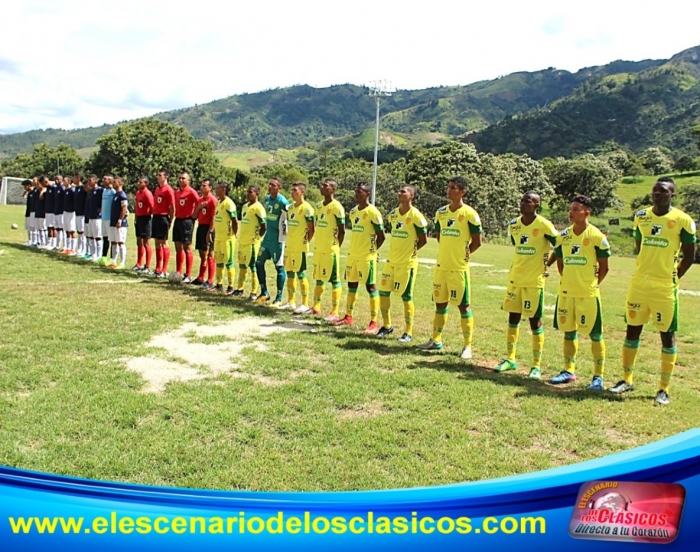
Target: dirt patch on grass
[[367, 410], [197, 352]]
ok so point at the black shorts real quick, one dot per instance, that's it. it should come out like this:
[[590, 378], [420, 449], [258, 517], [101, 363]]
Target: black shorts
[[182, 230], [143, 227], [161, 227], [200, 242]]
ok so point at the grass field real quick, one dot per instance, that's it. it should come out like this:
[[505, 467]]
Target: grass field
[[108, 375]]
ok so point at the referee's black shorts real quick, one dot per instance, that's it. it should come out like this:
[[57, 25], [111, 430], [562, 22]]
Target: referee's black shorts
[[144, 227], [161, 227], [182, 230], [200, 241]]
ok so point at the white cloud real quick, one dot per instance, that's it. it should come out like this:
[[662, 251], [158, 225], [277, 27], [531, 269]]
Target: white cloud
[[76, 63]]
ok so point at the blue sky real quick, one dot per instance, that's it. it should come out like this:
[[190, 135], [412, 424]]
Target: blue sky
[[76, 63]]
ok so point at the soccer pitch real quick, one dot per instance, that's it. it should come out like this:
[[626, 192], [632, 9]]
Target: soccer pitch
[[108, 375]]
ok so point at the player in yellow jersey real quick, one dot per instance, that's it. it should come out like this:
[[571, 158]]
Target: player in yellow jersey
[[660, 234], [300, 224], [224, 237], [582, 259], [458, 231], [408, 235], [532, 235], [253, 217], [329, 236], [367, 238]]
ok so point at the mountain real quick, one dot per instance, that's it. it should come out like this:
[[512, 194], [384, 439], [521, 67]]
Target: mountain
[[654, 107]]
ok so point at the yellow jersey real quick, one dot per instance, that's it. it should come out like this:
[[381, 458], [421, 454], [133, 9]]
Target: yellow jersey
[[455, 229], [580, 255], [328, 219], [252, 218], [661, 238], [532, 244], [365, 225], [298, 218], [225, 213], [405, 229]]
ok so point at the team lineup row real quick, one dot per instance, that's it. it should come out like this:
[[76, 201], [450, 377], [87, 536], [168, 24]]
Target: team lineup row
[[281, 231]]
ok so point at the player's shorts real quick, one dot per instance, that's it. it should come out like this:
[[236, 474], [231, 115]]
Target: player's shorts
[[223, 252], [80, 224], [182, 230], [143, 227], [58, 221], [40, 224], [398, 279], [361, 270], [117, 235], [200, 240], [27, 223], [69, 221], [105, 229], [161, 227], [655, 300], [247, 254], [528, 301], [452, 286], [94, 229], [32, 221], [50, 219], [274, 253], [579, 313], [295, 261], [326, 267]]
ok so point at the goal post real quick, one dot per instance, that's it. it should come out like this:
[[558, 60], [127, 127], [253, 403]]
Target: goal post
[[12, 191]]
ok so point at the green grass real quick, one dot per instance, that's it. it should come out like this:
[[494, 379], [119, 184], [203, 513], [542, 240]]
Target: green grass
[[316, 410]]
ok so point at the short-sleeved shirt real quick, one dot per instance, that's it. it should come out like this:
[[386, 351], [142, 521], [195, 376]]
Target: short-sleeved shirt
[[49, 199], [33, 199], [41, 205], [80, 200], [532, 244], [107, 196], [405, 229], [225, 213], [365, 225], [69, 199], [328, 219], [298, 217], [252, 218], [143, 202], [580, 255], [661, 238], [185, 202], [163, 198], [29, 204], [60, 195], [206, 212], [119, 200], [93, 206], [456, 229], [274, 209]]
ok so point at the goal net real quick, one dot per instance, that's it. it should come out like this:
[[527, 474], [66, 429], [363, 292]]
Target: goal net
[[11, 191]]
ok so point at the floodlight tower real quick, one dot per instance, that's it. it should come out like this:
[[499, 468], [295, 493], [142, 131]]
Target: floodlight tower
[[377, 90]]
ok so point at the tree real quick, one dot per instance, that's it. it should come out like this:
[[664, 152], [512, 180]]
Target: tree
[[696, 134], [588, 175], [45, 160], [656, 161], [147, 145], [690, 197], [685, 164]]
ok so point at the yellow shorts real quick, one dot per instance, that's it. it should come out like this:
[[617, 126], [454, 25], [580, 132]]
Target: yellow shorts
[[295, 261], [579, 313], [528, 301], [247, 254], [359, 270], [398, 279], [223, 252], [451, 286], [326, 267], [653, 300]]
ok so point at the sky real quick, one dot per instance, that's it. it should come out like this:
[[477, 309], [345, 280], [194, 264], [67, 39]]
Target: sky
[[76, 63]]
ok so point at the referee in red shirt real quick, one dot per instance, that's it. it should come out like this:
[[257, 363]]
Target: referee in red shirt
[[163, 211], [186, 200], [143, 204]]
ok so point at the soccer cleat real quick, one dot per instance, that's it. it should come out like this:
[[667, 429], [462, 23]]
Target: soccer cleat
[[372, 329], [195, 282], [206, 286], [466, 353], [621, 387], [102, 260], [405, 338], [218, 287], [229, 291], [121, 266], [262, 299], [596, 384], [505, 366], [384, 331], [253, 297], [345, 321], [146, 272], [662, 398], [535, 373], [312, 312], [430, 345], [332, 317], [238, 293], [111, 264], [162, 276], [563, 377], [186, 280], [278, 304], [137, 268], [301, 309]]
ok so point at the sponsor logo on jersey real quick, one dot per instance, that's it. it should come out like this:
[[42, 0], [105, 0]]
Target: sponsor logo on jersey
[[357, 220], [575, 249], [294, 223], [358, 228], [451, 232], [656, 229], [399, 234], [655, 242], [524, 239], [399, 225], [579, 261], [292, 216], [450, 223], [523, 250]]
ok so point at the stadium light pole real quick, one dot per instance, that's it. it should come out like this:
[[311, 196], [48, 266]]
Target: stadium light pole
[[377, 90]]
